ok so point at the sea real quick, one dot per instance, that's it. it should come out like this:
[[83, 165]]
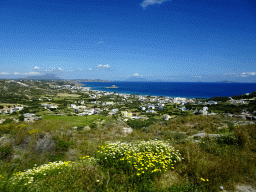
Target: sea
[[175, 89]]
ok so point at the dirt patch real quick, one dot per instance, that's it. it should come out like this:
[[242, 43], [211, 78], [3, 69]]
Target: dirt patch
[[68, 95], [245, 188]]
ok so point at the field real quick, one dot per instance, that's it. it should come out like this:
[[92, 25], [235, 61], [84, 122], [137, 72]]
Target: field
[[76, 120], [68, 95]]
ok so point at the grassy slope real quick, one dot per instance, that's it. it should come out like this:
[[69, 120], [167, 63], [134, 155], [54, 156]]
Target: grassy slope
[[225, 164]]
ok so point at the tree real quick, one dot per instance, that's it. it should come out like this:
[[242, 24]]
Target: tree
[[25, 110], [8, 121], [21, 118]]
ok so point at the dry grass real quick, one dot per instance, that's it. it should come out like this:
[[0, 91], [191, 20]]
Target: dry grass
[[67, 95]]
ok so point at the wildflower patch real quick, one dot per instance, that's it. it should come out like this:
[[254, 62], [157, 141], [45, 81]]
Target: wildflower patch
[[142, 158], [29, 176]]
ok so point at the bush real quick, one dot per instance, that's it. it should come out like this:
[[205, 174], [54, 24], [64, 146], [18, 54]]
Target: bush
[[14, 113], [93, 125], [21, 118], [138, 124], [63, 145], [183, 188], [231, 126], [242, 138], [5, 128], [33, 131], [5, 152], [178, 136], [79, 128], [144, 160], [19, 128], [8, 121], [226, 139]]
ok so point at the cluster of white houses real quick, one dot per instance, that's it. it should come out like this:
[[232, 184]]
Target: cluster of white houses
[[49, 106], [69, 87], [83, 110], [11, 109]]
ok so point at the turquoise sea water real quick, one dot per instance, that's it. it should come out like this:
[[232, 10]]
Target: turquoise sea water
[[175, 89]]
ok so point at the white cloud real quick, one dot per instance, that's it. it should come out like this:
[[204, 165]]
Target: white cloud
[[5, 73], [106, 66], [16, 73], [251, 73], [101, 67], [145, 3], [230, 74], [246, 74], [36, 68], [136, 75], [80, 69]]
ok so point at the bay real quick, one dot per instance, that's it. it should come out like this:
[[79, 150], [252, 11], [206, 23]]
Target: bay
[[175, 89]]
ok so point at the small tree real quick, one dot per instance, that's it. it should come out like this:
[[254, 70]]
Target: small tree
[[21, 118], [8, 121]]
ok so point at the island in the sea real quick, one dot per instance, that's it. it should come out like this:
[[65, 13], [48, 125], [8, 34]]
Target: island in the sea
[[113, 86]]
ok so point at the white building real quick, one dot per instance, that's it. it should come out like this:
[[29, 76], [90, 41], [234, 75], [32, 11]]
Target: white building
[[143, 108], [166, 117], [73, 106], [205, 108], [151, 106], [212, 102]]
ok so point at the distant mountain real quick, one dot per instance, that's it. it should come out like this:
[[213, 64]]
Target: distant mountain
[[136, 79], [225, 82], [47, 76]]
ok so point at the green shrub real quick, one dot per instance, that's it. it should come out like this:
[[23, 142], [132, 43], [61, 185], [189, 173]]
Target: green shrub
[[138, 124], [242, 138], [231, 127], [5, 128], [21, 118], [144, 160], [79, 128], [8, 121], [20, 129], [60, 148], [178, 136], [93, 125], [183, 188], [226, 139], [5, 152], [63, 145], [33, 131]]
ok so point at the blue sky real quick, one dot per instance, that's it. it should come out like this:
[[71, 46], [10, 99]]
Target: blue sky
[[177, 40]]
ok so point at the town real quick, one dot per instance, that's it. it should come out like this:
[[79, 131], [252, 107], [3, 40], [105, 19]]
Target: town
[[69, 98]]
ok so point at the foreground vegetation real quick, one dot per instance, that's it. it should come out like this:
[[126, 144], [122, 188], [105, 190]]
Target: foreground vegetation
[[48, 155]]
